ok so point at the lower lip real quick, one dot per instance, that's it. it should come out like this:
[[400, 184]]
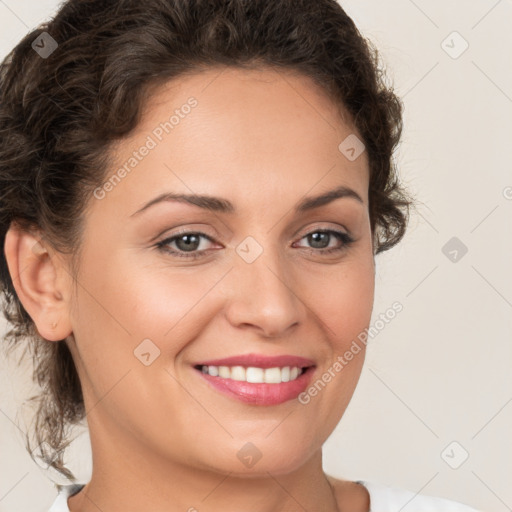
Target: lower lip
[[261, 394]]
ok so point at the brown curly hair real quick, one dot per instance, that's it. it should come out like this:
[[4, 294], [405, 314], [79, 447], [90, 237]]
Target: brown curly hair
[[60, 114]]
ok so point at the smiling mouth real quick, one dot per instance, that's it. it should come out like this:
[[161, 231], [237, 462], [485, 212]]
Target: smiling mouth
[[254, 374], [255, 385]]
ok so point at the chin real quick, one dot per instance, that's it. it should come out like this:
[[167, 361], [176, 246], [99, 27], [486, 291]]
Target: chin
[[257, 459]]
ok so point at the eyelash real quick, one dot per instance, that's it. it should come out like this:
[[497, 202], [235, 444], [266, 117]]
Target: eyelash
[[162, 246]]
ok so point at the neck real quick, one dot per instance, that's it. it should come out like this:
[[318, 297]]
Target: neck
[[128, 476]]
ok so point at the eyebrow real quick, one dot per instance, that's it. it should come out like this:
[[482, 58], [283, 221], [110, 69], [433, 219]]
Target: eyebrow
[[217, 204]]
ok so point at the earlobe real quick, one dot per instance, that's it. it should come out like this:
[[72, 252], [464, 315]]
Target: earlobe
[[35, 271]]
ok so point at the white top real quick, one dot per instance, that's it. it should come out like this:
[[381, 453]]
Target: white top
[[382, 499]]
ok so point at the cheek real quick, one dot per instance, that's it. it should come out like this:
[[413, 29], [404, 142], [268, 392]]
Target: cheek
[[128, 303], [345, 300], [171, 305], [152, 300], [344, 306], [121, 306]]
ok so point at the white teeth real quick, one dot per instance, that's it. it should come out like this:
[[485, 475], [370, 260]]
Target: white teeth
[[254, 374], [224, 372], [238, 373], [272, 375]]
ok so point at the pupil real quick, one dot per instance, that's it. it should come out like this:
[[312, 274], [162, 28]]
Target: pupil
[[190, 240], [316, 236]]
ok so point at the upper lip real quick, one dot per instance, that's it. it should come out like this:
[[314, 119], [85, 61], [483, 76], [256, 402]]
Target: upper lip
[[259, 361]]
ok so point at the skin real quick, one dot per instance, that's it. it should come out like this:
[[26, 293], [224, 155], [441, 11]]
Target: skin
[[162, 438]]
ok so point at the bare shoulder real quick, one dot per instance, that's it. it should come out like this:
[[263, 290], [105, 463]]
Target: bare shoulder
[[350, 496]]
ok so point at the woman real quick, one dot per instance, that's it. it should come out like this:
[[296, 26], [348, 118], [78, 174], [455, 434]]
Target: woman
[[193, 196]]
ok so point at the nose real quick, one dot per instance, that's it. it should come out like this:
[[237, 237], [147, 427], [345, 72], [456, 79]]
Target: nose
[[262, 296]]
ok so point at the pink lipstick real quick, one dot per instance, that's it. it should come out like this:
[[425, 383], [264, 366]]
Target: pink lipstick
[[258, 379]]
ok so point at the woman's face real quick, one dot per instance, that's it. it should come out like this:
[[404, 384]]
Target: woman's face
[[257, 280]]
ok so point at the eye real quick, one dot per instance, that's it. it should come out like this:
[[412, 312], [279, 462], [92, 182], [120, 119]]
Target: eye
[[187, 244], [321, 238]]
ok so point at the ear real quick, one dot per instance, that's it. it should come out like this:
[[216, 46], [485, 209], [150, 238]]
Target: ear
[[40, 280]]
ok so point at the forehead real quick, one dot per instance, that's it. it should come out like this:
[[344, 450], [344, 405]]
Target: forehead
[[240, 133], [248, 102]]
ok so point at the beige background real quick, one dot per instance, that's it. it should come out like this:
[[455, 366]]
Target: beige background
[[440, 371]]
